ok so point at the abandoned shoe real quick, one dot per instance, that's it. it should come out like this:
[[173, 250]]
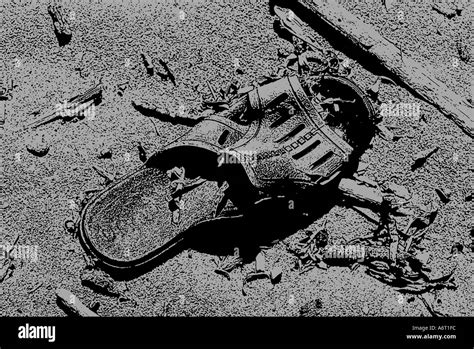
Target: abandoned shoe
[[288, 137]]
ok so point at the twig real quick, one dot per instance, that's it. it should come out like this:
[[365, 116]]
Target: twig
[[433, 312], [154, 125], [214, 97], [35, 288]]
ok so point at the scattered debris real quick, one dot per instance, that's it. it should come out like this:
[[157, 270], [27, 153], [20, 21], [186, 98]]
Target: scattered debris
[[373, 91], [162, 114], [61, 25], [148, 64], [310, 250], [226, 264], [223, 273], [367, 213], [92, 94], [409, 71], [70, 227], [213, 93], [35, 288], [321, 238], [3, 113], [362, 193], [8, 265], [154, 126], [463, 51], [444, 194], [391, 257], [260, 262], [396, 189], [245, 90], [6, 90], [108, 177], [168, 75], [449, 13], [430, 308], [122, 87], [420, 158], [141, 153], [415, 228], [104, 152], [295, 27], [76, 108], [275, 275], [311, 308], [256, 276], [366, 181], [99, 281], [71, 304], [386, 134], [37, 145]]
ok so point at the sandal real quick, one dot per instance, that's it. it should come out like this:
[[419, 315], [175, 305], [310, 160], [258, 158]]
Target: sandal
[[284, 138]]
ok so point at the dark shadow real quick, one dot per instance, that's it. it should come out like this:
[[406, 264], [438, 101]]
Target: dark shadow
[[63, 39], [267, 223]]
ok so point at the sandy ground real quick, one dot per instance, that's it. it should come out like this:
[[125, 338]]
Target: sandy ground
[[203, 46]]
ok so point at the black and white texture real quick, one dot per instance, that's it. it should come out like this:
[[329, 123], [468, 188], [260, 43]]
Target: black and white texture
[[116, 82]]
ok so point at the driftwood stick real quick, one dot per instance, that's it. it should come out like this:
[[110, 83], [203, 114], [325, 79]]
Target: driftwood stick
[[72, 303], [417, 76], [62, 28], [361, 193]]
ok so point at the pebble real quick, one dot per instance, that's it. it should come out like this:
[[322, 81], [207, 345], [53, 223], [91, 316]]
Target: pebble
[[37, 146]]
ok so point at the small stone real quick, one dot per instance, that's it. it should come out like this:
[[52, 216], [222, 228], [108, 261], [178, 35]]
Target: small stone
[[260, 262], [104, 153], [312, 308], [37, 146], [70, 226], [275, 275], [444, 194]]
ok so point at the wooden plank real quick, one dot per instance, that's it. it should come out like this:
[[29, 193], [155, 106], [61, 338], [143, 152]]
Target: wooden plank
[[361, 193], [73, 304], [418, 76]]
